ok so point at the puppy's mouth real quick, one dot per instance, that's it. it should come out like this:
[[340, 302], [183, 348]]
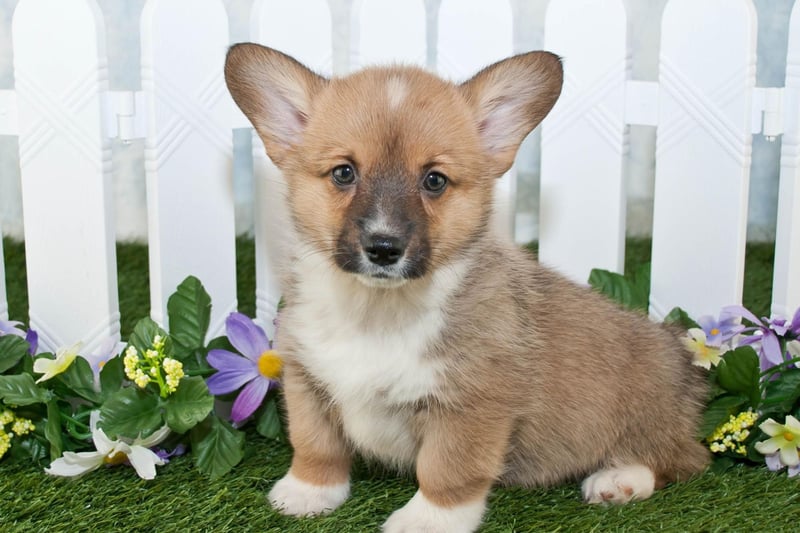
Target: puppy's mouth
[[380, 261]]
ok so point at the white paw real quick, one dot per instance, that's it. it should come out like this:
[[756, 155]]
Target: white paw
[[292, 496], [619, 485], [420, 515]]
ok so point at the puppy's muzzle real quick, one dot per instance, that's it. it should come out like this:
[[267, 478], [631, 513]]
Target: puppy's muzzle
[[383, 250]]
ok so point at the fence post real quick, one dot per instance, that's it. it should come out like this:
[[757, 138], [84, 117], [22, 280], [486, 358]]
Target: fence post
[[584, 140], [188, 153], [473, 34], [786, 282], [386, 31], [707, 75], [65, 160], [287, 27], [3, 297]]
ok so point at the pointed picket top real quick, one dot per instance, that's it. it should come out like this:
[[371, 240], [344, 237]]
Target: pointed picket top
[[65, 160], [188, 153], [786, 283], [471, 35], [584, 140], [703, 151], [387, 31], [300, 28]]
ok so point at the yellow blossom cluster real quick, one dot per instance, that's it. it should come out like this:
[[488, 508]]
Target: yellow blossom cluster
[[153, 366], [730, 436], [10, 426]]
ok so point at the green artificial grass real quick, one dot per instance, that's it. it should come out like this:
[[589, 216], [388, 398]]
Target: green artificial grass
[[747, 499]]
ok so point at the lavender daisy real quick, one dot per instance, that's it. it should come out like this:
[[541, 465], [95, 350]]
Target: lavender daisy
[[257, 371]]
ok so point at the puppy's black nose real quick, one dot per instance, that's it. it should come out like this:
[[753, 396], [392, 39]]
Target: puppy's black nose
[[383, 250]]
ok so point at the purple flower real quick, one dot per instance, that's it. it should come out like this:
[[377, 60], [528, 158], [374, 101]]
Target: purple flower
[[719, 331], [257, 371], [769, 351], [165, 456], [11, 327]]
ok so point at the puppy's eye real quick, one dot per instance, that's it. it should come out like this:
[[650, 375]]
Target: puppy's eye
[[343, 175], [434, 182]]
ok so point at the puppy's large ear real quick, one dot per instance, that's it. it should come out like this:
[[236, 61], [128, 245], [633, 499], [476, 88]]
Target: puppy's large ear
[[274, 91], [510, 98]]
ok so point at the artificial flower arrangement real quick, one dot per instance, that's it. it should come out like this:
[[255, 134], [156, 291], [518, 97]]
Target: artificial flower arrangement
[[753, 364], [155, 397], [142, 402]]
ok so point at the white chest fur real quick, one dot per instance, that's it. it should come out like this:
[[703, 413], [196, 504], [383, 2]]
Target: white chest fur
[[369, 347]]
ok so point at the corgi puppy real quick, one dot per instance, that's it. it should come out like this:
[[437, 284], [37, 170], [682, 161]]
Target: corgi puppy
[[414, 336]]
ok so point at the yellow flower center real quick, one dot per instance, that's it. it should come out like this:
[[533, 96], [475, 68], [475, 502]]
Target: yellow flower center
[[789, 436], [115, 459], [714, 331], [270, 364]]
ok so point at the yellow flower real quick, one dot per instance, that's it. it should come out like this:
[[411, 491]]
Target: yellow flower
[[704, 355], [53, 367], [785, 438], [730, 435]]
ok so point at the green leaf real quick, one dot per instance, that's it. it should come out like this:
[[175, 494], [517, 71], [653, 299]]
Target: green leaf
[[269, 423], [21, 390], [143, 334], [130, 413], [189, 310], [632, 293], [680, 317], [217, 447], [738, 372], [52, 430], [718, 411], [111, 376], [79, 378], [783, 392], [189, 405], [12, 349]]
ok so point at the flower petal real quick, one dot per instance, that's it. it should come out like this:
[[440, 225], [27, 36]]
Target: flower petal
[[773, 462], [246, 336], [156, 438], [767, 447], [793, 424], [770, 427], [771, 348], [225, 382], [789, 456], [739, 311], [144, 461], [250, 399], [75, 464], [226, 361]]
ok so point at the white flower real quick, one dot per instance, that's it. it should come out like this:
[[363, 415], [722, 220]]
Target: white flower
[[53, 367], [111, 452], [793, 347]]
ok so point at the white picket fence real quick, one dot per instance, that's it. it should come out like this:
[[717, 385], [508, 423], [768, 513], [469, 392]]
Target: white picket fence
[[706, 108]]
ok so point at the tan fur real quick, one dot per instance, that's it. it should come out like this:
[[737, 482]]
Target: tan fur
[[543, 381]]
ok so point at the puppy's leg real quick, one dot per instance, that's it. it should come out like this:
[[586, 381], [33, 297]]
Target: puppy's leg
[[619, 484], [457, 463], [319, 478]]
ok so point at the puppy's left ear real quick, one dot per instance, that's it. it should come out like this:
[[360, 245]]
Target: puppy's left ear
[[510, 98]]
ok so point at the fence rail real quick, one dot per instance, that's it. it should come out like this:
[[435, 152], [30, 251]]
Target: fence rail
[[705, 107]]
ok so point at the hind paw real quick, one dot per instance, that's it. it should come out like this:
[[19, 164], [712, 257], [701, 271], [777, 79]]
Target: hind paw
[[619, 485]]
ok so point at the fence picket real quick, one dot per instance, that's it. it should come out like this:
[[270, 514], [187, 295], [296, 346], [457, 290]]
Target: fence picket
[[277, 24], [3, 299], [389, 32], [584, 140], [60, 75], [291, 28], [703, 152], [473, 34], [786, 282], [188, 154]]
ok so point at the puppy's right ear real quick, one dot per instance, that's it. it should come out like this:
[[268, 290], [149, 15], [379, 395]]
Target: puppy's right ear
[[274, 91]]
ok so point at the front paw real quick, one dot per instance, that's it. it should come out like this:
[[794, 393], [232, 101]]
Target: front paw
[[420, 515], [291, 496]]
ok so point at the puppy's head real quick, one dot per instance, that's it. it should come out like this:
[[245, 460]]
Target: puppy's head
[[390, 170]]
